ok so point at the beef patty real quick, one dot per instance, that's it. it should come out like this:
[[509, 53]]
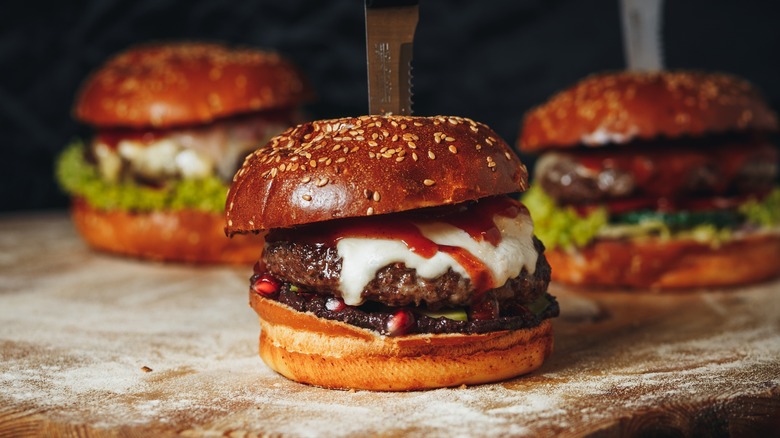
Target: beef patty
[[592, 176], [316, 268]]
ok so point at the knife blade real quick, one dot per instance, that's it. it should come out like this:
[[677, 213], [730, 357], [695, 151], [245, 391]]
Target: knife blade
[[390, 27], [642, 36]]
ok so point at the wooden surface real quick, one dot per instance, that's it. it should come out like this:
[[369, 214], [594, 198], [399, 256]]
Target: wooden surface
[[77, 329]]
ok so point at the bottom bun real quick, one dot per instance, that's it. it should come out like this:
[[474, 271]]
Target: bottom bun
[[181, 236], [670, 264], [332, 354]]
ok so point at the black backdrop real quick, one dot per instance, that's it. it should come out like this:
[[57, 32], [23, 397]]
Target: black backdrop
[[489, 60]]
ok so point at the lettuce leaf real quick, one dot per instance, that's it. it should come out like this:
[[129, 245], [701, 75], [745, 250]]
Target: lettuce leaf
[[562, 227], [78, 177], [765, 212]]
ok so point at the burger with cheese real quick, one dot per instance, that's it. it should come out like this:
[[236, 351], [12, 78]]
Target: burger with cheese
[[173, 121], [395, 257], [659, 180]]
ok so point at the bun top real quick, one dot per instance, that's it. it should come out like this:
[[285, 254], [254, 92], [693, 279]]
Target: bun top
[[614, 108], [174, 84], [352, 167]]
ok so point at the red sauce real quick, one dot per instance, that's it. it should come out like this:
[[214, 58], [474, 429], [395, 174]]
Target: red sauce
[[476, 219]]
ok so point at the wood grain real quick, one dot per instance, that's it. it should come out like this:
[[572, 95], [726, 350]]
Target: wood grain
[[77, 329]]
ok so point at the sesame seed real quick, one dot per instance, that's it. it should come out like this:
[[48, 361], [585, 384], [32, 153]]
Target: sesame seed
[[370, 211], [372, 143], [429, 182], [403, 125], [376, 197], [313, 163], [453, 149], [306, 197], [367, 194], [337, 147], [479, 146], [411, 145], [323, 181], [414, 156], [399, 159], [508, 157], [395, 137], [449, 139], [341, 160], [431, 155], [230, 222]]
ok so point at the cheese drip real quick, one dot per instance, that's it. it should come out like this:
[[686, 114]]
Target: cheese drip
[[363, 257]]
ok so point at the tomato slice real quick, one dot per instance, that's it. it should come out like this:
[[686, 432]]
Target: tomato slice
[[669, 205]]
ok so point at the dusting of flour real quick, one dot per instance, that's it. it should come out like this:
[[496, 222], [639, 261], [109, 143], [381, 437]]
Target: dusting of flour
[[107, 342]]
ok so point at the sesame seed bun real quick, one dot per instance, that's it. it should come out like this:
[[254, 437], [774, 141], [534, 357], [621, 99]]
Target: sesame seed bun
[[356, 167], [615, 108], [184, 236], [333, 354], [174, 84]]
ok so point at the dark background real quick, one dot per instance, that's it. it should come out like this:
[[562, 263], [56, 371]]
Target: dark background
[[488, 60]]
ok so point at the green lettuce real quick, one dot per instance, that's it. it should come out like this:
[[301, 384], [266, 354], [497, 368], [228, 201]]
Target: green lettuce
[[562, 227], [765, 212], [80, 178]]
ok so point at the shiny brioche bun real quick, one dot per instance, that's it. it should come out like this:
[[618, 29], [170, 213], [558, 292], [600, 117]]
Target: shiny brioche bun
[[163, 85], [668, 265], [332, 354], [184, 236], [354, 167], [616, 108]]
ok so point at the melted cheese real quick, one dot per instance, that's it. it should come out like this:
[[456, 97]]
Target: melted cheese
[[363, 257]]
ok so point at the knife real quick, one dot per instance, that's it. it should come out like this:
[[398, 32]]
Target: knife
[[390, 26], [642, 40]]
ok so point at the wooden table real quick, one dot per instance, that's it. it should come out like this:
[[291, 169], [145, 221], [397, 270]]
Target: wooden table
[[94, 345]]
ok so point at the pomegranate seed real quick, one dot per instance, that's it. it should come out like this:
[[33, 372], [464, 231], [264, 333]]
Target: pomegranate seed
[[335, 304], [400, 323], [265, 285], [484, 310]]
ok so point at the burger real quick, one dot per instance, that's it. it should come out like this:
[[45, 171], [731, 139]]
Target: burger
[[172, 123], [663, 180], [395, 257]]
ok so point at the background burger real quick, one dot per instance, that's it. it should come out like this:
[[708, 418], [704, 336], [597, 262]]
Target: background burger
[[395, 258], [173, 121], [661, 180]]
